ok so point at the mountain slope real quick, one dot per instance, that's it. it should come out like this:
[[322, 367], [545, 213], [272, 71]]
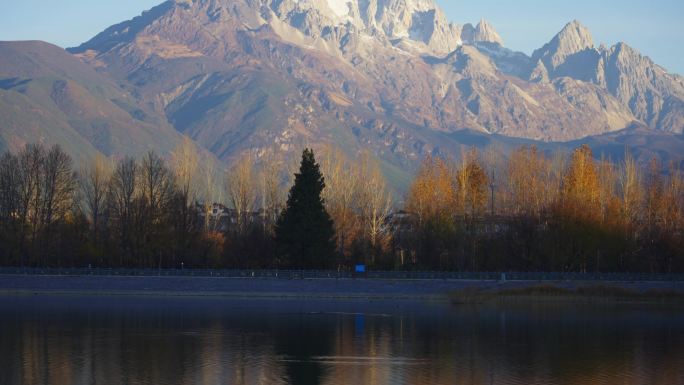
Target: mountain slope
[[48, 95]]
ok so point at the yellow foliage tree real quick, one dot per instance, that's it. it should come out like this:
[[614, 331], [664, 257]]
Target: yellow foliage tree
[[432, 193], [581, 186]]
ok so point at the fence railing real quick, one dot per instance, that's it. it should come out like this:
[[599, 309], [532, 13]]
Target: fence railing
[[331, 274]]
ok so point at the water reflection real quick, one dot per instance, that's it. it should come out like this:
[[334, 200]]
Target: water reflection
[[71, 340]]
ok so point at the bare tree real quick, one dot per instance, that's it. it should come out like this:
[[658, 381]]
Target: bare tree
[[59, 185], [630, 187], [157, 186], [375, 203], [272, 194], [211, 194], [493, 163], [156, 182], [94, 180], [674, 190], [9, 188], [9, 206], [242, 191], [31, 163], [608, 181], [122, 194], [185, 161]]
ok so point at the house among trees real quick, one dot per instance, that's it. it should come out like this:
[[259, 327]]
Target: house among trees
[[225, 219]]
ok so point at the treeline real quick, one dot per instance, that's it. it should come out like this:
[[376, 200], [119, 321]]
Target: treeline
[[532, 212], [154, 212], [132, 213], [482, 212]]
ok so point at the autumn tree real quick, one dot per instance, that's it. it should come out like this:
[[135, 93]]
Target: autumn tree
[[524, 201], [631, 188], [472, 185], [553, 212], [654, 200], [581, 183], [529, 181], [432, 194], [670, 254], [494, 166], [578, 214], [662, 210], [432, 199], [340, 194]]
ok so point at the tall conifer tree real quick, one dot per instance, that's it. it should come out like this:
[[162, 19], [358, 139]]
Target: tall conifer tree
[[305, 236]]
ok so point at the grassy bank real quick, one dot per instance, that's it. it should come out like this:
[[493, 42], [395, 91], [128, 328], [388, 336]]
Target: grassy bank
[[554, 293]]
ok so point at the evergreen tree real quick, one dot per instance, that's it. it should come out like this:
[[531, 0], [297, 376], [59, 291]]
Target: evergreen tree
[[305, 236]]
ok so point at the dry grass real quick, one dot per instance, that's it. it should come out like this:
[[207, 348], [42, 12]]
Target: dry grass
[[552, 293]]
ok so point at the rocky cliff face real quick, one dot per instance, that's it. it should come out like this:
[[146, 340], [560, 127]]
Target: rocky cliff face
[[394, 76], [650, 92], [572, 40], [484, 32], [634, 80]]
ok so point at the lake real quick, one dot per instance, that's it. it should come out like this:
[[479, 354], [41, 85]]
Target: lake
[[60, 340]]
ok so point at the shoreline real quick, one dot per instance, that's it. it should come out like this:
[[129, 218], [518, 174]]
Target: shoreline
[[226, 295], [605, 293], [336, 288]]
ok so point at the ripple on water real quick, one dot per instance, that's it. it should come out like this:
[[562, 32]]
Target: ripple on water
[[55, 341]]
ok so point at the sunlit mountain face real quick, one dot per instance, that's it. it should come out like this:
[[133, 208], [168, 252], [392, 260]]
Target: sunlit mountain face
[[395, 77]]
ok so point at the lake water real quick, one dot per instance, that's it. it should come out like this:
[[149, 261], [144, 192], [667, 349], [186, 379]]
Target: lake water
[[163, 341]]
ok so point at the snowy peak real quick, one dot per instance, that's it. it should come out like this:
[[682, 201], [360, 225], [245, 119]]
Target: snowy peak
[[417, 20], [341, 8], [415, 26]]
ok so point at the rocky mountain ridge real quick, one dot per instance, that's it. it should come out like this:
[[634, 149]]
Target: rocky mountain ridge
[[393, 76], [633, 79]]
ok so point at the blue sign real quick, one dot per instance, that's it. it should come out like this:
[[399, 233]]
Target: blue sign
[[360, 268]]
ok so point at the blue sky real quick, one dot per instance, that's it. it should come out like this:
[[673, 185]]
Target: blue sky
[[654, 27]]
